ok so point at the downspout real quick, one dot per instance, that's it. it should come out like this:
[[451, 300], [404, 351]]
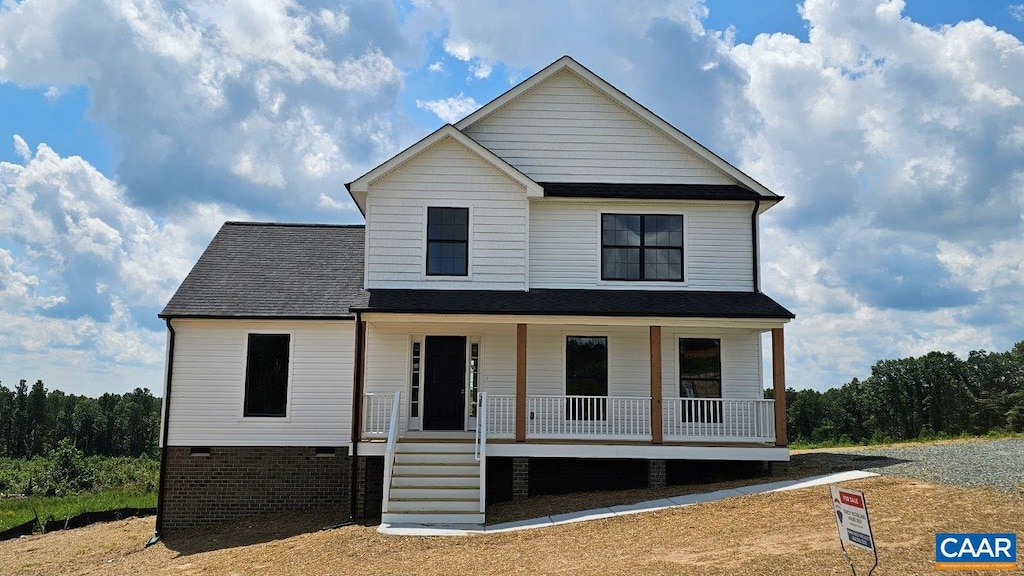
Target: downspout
[[158, 533], [357, 408], [753, 238]]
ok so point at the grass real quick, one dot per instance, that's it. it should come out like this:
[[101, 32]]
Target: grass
[[992, 435], [16, 511]]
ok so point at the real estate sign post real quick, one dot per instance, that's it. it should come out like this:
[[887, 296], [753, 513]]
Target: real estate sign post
[[850, 509]]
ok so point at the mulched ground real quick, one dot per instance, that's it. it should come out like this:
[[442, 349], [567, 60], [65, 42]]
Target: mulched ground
[[785, 533]]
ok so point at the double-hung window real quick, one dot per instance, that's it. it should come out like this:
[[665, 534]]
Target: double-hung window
[[642, 247], [700, 377], [447, 241], [266, 375], [586, 375]]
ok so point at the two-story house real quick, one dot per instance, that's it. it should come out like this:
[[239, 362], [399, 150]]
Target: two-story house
[[561, 289]]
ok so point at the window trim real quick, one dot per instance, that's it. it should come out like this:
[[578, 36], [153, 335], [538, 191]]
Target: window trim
[[426, 245], [244, 365], [642, 247], [660, 210], [721, 361]]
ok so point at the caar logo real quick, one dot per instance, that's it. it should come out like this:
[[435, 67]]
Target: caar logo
[[975, 551]]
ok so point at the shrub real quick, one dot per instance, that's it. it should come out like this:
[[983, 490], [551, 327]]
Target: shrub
[[68, 472]]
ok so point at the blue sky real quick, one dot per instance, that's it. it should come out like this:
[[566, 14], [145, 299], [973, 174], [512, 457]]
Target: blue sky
[[130, 132]]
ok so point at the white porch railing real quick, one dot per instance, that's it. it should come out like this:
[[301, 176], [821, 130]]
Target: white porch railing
[[480, 451], [589, 417], [389, 450], [718, 419], [501, 416], [376, 414]]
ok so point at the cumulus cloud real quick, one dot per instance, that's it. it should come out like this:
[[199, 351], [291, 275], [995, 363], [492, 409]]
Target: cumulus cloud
[[451, 110], [77, 259], [237, 100]]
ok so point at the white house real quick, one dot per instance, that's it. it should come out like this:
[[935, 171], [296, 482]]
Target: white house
[[560, 287]]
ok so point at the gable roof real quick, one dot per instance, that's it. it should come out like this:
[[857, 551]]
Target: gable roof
[[264, 270], [596, 82], [358, 188]]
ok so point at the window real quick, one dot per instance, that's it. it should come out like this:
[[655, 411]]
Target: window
[[414, 393], [447, 241], [474, 377], [266, 375], [586, 374], [700, 376], [642, 247]]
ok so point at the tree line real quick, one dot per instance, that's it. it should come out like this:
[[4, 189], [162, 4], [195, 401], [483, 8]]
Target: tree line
[[34, 421], [930, 396]]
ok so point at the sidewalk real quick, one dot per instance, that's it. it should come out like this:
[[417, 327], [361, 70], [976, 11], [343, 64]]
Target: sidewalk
[[623, 510]]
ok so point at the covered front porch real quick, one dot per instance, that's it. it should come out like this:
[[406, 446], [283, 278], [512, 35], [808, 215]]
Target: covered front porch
[[510, 382]]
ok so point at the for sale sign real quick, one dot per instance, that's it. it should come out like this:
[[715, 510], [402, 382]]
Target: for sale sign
[[851, 511]]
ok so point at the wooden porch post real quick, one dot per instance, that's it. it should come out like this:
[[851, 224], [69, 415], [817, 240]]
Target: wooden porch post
[[656, 429], [779, 385], [520, 382]]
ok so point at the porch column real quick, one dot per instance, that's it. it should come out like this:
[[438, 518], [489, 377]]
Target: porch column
[[656, 413], [520, 382], [779, 385]]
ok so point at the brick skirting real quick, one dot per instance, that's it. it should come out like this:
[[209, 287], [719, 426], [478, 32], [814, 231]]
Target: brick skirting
[[233, 483]]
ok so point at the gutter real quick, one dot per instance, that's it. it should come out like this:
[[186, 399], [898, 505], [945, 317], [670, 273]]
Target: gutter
[[753, 243], [158, 533]]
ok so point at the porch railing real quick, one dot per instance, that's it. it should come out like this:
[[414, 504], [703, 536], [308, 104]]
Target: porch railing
[[377, 414], [481, 448], [389, 450], [589, 417], [718, 419], [501, 416]]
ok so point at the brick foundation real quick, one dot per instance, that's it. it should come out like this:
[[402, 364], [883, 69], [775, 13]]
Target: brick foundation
[[520, 478], [655, 473], [369, 486], [233, 483]]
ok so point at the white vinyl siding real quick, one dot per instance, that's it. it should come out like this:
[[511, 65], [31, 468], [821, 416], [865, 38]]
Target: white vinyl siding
[[565, 131], [565, 244], [741, 360], [446, 175], [208, 387]]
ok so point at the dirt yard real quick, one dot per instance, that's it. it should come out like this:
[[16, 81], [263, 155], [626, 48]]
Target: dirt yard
[[783, 533]]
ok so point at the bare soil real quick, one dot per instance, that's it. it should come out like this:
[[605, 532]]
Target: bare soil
[[782, 533]]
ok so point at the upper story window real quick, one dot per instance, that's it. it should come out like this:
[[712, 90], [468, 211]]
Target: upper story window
[[447, 241], [642, 247], [266, 375]]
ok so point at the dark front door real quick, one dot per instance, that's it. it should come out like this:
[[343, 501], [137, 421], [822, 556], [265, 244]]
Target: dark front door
[[445, 383]]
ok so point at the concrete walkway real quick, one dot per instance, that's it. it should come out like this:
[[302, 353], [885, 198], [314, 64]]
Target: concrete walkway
[[623, 510]]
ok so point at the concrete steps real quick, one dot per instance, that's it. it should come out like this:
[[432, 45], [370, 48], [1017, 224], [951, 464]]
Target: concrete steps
[[434, 483]]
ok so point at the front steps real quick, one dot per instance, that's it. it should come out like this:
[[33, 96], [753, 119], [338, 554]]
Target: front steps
[[434, 483]]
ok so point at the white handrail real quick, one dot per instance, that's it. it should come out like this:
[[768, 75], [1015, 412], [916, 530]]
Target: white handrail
[[480, 451], [389, 450]]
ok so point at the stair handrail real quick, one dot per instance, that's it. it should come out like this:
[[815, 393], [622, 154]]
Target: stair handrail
[[480, 450], [389, 449]]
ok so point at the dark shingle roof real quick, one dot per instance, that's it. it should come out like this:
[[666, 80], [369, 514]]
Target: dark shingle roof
[[255, 270], [652, 191], [661, 303]]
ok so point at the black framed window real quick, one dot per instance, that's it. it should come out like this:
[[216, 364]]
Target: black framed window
[[586, 374], [447, 241], [266, 375], [700, 376], [642, 247]]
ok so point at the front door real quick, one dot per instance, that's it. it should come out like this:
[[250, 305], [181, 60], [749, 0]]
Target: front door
[[444, 385]]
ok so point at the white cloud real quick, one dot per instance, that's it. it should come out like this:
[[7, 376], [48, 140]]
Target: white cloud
[[75, 258], [232, 100], [1016, 12], [436, 66], [451, 110]]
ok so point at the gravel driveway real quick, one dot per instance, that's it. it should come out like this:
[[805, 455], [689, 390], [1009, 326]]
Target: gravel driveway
[[996, 464]]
